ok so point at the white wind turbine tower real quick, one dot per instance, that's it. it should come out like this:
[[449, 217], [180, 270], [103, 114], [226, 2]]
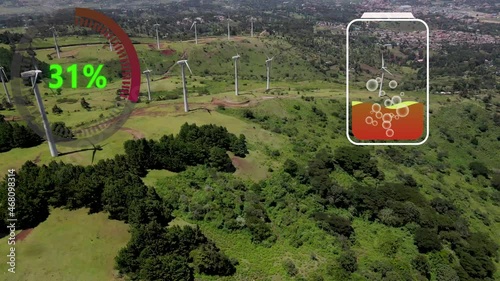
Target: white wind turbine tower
[[55, 41], [33, 75], [110, 46], [156, 25], [228, 29], [268, 70], [2, 75], [184, 63], [383, 68], [235, 59], [148, 73], [252, 19], [195, 32]]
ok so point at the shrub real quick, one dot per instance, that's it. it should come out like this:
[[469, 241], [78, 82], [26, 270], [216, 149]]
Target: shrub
[[495, 181], [427, 240], [291, 167], [421, 264], [248, 114], [478, 168], [348, 261], [290, 268], [56, 109], [352, 158], [334, 224]]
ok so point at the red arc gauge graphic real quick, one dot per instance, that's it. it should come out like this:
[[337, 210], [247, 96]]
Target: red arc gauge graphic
[[107, 27], [94, 131]]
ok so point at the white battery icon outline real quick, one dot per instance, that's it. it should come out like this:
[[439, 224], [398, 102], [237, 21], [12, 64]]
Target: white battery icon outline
[[388, 17]]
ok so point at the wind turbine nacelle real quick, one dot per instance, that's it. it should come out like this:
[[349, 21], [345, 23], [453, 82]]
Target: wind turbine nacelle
[[236, 57], [30, 73], [181, 62]]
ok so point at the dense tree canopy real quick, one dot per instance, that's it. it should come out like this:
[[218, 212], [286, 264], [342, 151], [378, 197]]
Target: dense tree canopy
[[13, 135]]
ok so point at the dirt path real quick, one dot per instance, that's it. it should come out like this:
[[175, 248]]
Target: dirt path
[[37, 159], [240, 163], [12, 118], [23, 234], [228, 103], [135, 133], [149, 111]]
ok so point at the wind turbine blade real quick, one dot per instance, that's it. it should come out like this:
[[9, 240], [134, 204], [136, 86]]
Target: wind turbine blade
[[192, 25], [4, 74], [48, 86], [145, 63], [387, 71], [189, 68], [235, 49], [91, 143]]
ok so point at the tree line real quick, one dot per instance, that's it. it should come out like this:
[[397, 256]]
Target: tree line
[[13, 135], [192, 146]]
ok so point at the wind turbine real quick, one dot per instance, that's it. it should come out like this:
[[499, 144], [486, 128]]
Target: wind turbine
[[228, 29], [55, 41], [156, 25], [383, 68], [268, 70], [148, 72], [33, 75], [235, 59], [195, 32], [2, 75], [251, 26], [184, 63]]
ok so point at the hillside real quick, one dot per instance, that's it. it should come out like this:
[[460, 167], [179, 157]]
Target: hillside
[[260, 186]]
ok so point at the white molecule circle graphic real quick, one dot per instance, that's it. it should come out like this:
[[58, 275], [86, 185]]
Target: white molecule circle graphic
[[394, 103]]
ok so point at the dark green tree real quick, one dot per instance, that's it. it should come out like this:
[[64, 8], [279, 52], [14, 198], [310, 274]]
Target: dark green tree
[[421, 264], [209, 260], [239, 146], [119, 194], [31, 206], [495, 181], [220, 160], [334, 224], [348, 261], [291, 167], [60, 130], [24, 137], [352, 158], [290, 268], [170, 267], [478, 169], [151, 208], [85, 104], [56, 109], [427, 240]]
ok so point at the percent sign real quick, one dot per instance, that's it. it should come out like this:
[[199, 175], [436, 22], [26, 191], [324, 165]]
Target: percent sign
[[88, 71]]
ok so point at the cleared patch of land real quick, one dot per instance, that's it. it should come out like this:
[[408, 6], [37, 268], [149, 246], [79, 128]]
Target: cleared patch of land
[[69, 245]]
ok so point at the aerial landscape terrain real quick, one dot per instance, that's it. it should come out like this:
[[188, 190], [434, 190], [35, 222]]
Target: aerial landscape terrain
[[236, 159]]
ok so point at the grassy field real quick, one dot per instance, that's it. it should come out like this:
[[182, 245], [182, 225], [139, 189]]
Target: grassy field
[[69, 245]]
